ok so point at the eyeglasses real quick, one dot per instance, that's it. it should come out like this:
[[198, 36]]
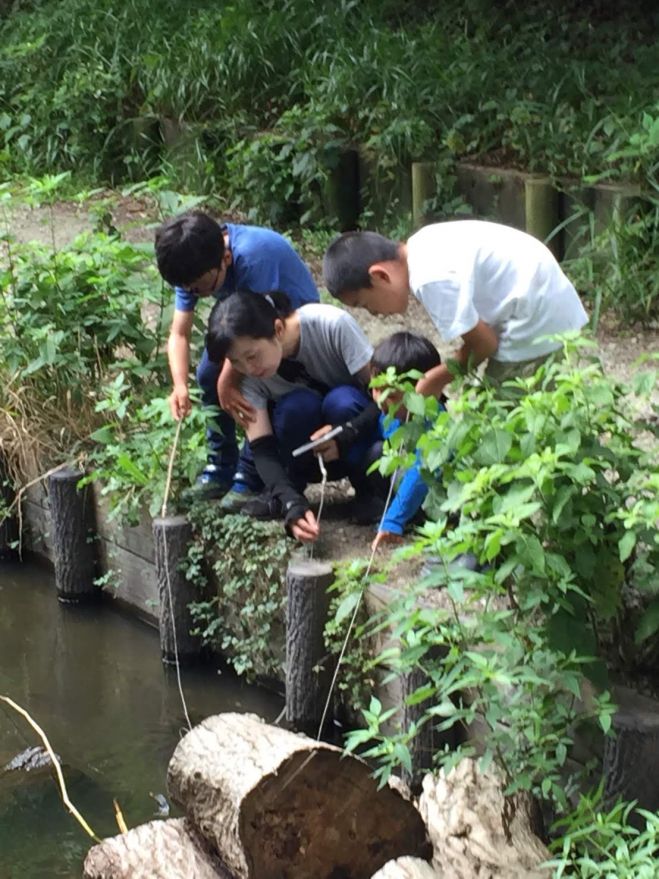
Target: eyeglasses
[[205, 289]]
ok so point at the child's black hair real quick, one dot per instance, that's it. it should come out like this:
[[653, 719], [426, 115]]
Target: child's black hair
[[405, 352], [350, 256], [187, 247], [244, 314]]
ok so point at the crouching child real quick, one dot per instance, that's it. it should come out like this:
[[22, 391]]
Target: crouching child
[[404, 352]]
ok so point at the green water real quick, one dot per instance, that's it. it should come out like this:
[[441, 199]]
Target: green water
[[93, 680]]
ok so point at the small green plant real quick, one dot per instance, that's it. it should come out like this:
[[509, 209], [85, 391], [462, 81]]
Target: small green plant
[[239, 565], [597, 843], [546, 488]]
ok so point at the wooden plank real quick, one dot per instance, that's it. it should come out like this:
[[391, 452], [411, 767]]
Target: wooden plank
[[36, 535], [136, 539], [131, 580]]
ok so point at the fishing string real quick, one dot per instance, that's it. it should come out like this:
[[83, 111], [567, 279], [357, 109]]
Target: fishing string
[[168, 485]]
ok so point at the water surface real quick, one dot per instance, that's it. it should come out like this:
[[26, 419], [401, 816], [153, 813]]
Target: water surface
[[92, 678]]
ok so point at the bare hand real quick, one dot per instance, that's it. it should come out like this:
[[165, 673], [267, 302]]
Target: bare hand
[[306, 529], [233, 402], [330, 449], [179, 402], [385, 537]]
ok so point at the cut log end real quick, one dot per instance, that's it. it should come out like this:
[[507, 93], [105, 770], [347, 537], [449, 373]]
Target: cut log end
[[322, 816]]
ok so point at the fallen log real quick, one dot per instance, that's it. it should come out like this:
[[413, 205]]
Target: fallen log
[[406, 868], [274, 804], [476, 831], [158, 850]]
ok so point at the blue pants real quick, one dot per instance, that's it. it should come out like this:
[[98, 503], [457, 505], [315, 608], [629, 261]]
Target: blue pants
[[297, 415], [221, 439]]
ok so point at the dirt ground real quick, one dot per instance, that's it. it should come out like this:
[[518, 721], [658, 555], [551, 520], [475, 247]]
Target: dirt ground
[[619, 346]]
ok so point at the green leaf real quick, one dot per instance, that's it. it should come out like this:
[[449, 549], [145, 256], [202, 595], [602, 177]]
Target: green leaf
[[347, 606], [494, 447], [626, 544]]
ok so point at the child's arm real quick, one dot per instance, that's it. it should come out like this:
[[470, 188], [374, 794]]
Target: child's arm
[[299, 519], [411, 494], [178, 354], [478, 344]]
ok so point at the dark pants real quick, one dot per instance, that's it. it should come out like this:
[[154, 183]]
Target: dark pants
[[222, 444], [297, 415]]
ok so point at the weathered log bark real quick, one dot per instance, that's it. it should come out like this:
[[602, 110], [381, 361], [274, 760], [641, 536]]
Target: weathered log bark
[[72, 518], [627, 756], [275, 804], [476, 831], [308, 672], [171, 537], [406, 868], [158, 850]]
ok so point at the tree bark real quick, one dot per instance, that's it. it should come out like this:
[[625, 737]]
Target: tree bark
[[275, 804], [476, 831], [158, 850], [171, 537], [307, 670], [406, 868], [72, 518]]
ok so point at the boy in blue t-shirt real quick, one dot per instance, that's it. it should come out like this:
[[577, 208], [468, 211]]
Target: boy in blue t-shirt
[[405, 352], [199, 257]]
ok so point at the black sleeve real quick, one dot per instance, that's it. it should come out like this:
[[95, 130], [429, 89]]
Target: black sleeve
[[357, 427], [272, 472]]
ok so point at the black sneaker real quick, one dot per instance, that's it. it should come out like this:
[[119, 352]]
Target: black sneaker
[[264, 506]]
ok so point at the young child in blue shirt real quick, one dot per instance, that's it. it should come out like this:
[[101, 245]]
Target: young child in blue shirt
[[200, 258], [404, 352]]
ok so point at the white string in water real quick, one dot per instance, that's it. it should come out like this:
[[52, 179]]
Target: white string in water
[[168, 485], [354, 613]]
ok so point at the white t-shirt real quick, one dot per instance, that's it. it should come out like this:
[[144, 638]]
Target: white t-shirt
[[333, 349], [467, 270]]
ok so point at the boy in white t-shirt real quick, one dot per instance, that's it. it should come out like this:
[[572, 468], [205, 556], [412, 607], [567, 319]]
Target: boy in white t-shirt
[[499, 289]]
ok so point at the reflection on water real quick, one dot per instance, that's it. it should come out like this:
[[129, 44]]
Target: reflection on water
[[94, 681]]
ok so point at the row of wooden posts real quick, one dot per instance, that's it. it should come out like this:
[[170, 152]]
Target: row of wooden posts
[[76, 570], [308, 668]]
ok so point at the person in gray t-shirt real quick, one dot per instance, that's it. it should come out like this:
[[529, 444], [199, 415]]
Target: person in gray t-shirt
[[305, 371]]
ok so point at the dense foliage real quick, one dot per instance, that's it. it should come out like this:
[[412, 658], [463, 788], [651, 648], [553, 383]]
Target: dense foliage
[[280, 87], [552, 487]]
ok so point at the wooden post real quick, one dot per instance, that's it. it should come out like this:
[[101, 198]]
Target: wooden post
[[423, 189], [8, 523], [341, 192], [541, 202], [628, 753], [171, 538], [307, 670], [73, 536]]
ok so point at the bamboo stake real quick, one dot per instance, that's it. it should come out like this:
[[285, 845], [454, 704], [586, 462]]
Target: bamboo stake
[[60, 778]]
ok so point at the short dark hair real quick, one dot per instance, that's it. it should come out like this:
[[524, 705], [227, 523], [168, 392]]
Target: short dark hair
[[350, 256], [188, 246], [244, 314], [405, 352]]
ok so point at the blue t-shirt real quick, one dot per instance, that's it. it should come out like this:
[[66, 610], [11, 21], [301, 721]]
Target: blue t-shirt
[[262, 261]]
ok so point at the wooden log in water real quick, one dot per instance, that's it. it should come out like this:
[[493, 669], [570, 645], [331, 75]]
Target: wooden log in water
[[476, 831], [172, 536], [273, 804], [158, 850], [308, 671], [73, 536]]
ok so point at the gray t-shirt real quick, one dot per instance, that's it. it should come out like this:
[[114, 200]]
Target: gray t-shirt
[[333, 349]]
